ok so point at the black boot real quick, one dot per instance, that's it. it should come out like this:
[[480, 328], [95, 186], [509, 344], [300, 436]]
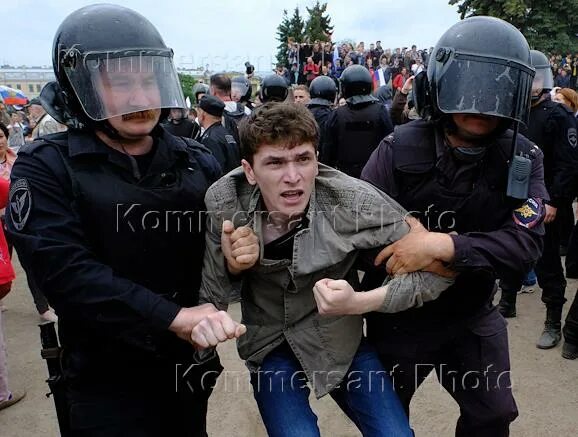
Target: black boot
[[569, 351], [507, 305], [552, 334]]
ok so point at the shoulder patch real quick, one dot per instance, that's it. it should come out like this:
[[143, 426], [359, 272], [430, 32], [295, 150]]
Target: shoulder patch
[[230, 139], [572, 137], [529, 214], [20, 203]]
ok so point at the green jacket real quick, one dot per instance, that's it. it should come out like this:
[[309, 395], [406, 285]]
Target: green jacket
[[346, 216]]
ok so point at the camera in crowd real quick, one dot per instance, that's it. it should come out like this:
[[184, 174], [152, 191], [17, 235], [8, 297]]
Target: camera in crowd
[[249, 69]]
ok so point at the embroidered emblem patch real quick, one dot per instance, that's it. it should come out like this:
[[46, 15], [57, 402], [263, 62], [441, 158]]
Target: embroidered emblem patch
[[572, 137], [529, 214], [20, 203]]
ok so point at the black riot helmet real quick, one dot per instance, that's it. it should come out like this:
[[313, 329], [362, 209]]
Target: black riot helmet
[[480, 65], [322, 91], [241, 88], [109, 61], [200, 88], [356, 81], [543, 80], [274, 88]]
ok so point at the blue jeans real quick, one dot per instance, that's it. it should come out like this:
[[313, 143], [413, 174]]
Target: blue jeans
[[530, 279], [281, 391]]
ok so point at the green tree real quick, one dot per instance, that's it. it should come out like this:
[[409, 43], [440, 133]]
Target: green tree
[[548, 26], [282, 36], [318, 27], [289, 28], [187, 83], [297, 26]]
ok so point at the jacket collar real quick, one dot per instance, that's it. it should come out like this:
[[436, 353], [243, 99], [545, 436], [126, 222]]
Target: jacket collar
[[169, 149]]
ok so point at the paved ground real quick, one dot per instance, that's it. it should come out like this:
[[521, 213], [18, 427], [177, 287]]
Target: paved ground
[[545, 385]]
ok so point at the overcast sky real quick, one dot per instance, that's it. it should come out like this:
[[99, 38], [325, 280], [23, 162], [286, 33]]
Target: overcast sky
[[226, 33]]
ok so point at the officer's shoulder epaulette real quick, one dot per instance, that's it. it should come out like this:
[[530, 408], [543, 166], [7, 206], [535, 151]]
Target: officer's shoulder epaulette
[[56, 139], [523, 144]]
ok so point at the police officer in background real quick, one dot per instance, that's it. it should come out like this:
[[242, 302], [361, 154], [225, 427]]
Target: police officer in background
[[199, 90], [552, 128], [273, 89], [353, 131], [241, 91], [451, 169], [215, 137], [178, 124], [323, 92], [105, 219]]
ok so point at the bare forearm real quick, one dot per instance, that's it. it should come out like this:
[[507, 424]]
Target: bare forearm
[[368, 301]]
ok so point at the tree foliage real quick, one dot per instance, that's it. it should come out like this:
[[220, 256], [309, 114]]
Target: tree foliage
[[549, 26], [297, 26], [187, 83], [289, 28], [318, 27], [282, 37]]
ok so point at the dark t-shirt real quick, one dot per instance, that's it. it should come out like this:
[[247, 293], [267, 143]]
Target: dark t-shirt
[[144, 161], [282, 247]]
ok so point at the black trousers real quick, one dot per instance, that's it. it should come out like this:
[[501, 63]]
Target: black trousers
[[167, 400], [471, 362], [571, 326], [572, 255], [549, 270]]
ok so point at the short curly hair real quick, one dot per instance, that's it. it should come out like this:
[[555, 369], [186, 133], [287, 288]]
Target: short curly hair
[[274, 123]]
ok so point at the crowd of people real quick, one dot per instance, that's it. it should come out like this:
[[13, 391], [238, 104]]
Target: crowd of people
[[307, 61], [144, 220], [565, 70]]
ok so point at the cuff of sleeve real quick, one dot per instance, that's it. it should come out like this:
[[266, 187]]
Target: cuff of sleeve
[[557, 201], [386, 304], [164, 313], [463, 249]]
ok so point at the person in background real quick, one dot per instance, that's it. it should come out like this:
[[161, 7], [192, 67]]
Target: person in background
[[568, 97], [42, 123], [301, 94], [215, 136], [7, 158], [7, 397]]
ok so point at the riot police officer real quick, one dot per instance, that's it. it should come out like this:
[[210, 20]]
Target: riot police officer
[[451, 169], [105, 219], [323, 92], [179, 124], [241, 91], [215, 137], [552, 128], [199, 90], [353, 131], [273, 89]]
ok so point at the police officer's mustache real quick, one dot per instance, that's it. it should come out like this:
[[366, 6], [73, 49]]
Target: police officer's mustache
[[141, 115]]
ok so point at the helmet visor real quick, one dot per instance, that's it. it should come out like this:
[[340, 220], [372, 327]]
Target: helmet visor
[[239, 89], [543, 80], [109, 86], [480, 85]]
